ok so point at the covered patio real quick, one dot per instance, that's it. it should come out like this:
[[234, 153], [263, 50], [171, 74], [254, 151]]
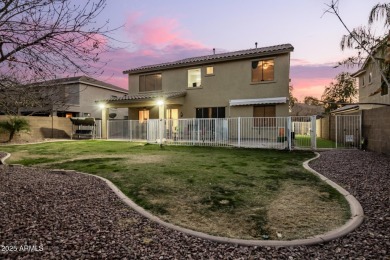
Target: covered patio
[[145, 106]]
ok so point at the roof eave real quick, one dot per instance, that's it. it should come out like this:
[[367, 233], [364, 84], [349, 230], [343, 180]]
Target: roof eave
[[211, 61], [358, 73]]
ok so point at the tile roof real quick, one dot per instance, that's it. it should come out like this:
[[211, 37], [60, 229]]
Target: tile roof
[[283, 48], [85, 80], [143, 96]]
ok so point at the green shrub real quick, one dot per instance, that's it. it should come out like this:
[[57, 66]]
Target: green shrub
[[14, 125]]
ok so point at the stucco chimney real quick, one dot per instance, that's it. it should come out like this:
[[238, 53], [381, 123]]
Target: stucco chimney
[[213, 50], [256, 45]]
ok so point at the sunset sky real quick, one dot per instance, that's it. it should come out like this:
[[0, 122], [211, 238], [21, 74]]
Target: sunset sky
[[162, 31]]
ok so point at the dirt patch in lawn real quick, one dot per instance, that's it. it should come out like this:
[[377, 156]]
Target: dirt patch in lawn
[[129, 159], [297, 212], [198, 217], [303, 211]]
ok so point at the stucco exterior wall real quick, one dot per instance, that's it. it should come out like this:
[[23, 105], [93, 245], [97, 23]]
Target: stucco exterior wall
[[326, 128], [87, 97], [367, 88], [376, 129], [41, 128], [231, 80]]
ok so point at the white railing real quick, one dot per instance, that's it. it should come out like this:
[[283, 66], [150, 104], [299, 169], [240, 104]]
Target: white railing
[[98, 129], [207, 132], [127, 130], [303, 130], [251, 132], [240, 132]]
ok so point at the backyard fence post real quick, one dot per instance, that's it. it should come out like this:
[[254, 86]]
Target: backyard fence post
[[193, 132], [198, 121], [289, 133], [108, 129], [239, 131], [131, 130], [313, 132]]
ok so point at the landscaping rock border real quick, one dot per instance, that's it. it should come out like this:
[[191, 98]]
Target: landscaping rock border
[[3, 157]]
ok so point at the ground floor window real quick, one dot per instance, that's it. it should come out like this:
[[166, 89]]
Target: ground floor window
[[172, 113], [264, 116], [143, 115], [210, 112]]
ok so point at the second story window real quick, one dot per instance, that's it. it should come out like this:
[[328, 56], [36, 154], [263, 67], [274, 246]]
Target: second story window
[[370, 78], [150, 82], [209, 70], [194, 78], [262, 70]]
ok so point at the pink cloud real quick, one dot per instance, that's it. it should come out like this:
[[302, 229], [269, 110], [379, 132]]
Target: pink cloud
[[158, 33], [309, 87], [153, 41], [311, 79]]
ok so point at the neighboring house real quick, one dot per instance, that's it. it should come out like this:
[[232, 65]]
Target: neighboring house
[[247, 83], [372, 88], [76, 96]]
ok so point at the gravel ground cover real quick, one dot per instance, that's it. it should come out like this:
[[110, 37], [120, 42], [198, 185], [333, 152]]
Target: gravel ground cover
[[67, 215]]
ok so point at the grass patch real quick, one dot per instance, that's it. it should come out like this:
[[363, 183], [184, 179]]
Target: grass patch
[[305, 141], [33, 161], [243, 193]]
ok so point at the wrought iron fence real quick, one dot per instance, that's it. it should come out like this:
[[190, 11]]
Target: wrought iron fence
[[251, 132]]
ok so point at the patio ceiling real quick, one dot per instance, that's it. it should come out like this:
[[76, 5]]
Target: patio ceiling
[[173, 97]]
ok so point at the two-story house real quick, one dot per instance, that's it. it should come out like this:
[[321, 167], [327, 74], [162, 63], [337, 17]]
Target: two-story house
[[72, 97], [246, 83], [372, 87]]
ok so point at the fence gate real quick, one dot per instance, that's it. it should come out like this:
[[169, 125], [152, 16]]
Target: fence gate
[[348, 131], [303, 132]]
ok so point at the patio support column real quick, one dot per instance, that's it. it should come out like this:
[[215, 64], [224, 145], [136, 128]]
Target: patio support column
[[104, 123], [161, 117]]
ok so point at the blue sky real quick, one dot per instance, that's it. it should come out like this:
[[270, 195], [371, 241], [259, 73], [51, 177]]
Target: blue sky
[[162, 31]]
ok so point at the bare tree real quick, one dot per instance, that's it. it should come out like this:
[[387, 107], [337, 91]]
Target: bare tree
[[364, 40], [41, 40]]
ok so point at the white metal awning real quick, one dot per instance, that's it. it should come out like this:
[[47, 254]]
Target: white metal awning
[[257, 101]]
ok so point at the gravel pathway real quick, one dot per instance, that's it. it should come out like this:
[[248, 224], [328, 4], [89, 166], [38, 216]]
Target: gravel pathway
[[46, 215]]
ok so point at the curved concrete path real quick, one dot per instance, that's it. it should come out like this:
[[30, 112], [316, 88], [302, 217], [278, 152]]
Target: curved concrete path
[[356, 219], [2, 160]]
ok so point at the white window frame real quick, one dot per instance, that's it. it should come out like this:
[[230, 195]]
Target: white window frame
[[194, 78]]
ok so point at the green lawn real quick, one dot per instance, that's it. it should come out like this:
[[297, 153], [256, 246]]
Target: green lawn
[[305, 141], [245, 193]]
